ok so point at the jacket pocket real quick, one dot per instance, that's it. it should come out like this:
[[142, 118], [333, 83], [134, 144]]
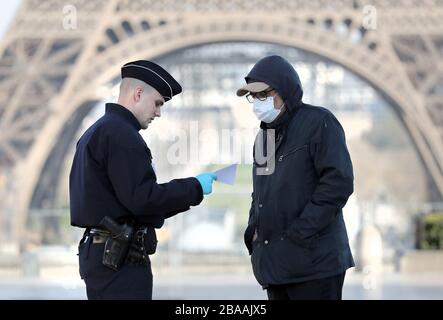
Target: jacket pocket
[[256, 257], [83, 255], [90, 260], [291, 152], [286, 261], [309, 243]]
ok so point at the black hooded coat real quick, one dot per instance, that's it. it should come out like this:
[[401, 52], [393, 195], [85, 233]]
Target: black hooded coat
[[297, 204]]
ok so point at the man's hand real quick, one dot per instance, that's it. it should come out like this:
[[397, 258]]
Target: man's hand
[[206, 179], [255, 236]]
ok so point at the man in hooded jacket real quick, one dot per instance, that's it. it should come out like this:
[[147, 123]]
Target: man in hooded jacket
[[296, 234]]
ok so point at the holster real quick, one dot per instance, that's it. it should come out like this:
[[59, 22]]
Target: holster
[[115, 253], [127, 244], [117, 244]]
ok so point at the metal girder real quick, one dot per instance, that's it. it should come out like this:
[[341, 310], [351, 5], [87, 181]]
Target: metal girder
[[48, 71]]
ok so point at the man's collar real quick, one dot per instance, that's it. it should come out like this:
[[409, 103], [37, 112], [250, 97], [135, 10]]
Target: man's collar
[[119, 110]]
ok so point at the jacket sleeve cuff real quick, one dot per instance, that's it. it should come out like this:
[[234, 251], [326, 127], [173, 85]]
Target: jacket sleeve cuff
[[197, 197]]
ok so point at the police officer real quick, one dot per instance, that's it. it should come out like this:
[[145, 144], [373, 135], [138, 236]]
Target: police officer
[[112, 177]]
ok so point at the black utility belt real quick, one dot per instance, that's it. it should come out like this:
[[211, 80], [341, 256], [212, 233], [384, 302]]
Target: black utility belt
[[98, 236], [124, 243]]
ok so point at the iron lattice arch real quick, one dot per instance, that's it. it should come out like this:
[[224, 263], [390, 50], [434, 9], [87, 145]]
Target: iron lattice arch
[[50, 75]]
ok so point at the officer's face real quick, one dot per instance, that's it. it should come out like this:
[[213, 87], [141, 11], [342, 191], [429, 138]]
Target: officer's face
[[148, 107]]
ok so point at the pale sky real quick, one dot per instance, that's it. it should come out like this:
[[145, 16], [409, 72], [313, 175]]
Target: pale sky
[[8, 9]]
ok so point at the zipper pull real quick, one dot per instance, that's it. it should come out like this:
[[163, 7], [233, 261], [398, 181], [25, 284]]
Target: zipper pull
[[280, 159]]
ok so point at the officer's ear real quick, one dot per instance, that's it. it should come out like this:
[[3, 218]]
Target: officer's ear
[[138, 93]]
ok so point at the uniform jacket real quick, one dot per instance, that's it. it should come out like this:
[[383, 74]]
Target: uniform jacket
[[112, 176]]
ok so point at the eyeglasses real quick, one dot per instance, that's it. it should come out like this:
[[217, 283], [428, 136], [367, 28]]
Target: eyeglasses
[[262, 95]]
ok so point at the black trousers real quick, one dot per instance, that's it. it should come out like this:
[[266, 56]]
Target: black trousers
[[321, 289], [131, 282]]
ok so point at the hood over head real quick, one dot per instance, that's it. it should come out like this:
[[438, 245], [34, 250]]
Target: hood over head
[[278, 73]]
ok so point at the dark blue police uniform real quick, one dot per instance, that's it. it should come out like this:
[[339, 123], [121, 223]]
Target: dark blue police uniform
[[112, 176]]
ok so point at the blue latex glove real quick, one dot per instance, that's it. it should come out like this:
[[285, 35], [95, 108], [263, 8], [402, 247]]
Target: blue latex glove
[[206, 179]]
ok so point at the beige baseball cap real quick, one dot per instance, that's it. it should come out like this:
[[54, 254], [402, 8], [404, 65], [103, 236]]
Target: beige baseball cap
[[252, 87]]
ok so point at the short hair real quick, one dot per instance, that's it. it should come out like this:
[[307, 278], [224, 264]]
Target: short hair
[[129, 84]]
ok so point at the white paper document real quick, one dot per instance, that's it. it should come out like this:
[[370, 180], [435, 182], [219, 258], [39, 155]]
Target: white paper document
[[227, 175]]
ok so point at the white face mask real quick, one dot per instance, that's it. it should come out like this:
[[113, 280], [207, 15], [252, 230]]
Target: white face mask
[[265, 111]]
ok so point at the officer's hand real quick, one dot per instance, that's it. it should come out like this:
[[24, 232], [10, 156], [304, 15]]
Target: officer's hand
[[206, 179]]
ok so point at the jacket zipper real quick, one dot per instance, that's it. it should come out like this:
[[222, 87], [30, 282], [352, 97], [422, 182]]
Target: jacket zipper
[[280, 159]]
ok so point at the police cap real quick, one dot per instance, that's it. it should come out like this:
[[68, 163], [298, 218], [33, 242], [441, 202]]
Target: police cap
[[154, 75]]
